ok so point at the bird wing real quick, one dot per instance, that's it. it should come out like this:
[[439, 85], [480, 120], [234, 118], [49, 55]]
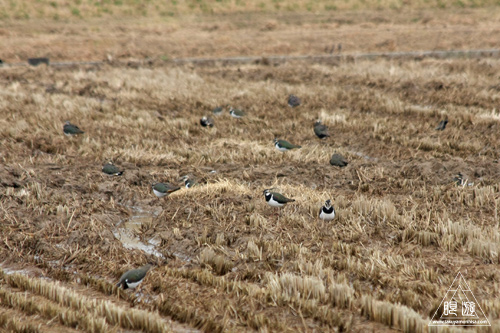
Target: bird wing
[[110, 169], [72, 129], [160, 187], [171, 188], [281, 198], [135, 275], [338, 160], [321, 130], [288, 145]]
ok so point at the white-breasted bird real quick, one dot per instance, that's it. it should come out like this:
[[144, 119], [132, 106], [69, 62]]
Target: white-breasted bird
[[163, 189], [275, 199], [132, 278], [327, 212]]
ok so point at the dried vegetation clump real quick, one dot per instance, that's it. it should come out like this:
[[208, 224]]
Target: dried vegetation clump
[[227, 260]]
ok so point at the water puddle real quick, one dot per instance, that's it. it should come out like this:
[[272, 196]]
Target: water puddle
[[366, 157], [182, 256], [127, 232]]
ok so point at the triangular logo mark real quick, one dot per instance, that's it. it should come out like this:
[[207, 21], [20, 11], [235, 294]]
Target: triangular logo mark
[[459, 307]]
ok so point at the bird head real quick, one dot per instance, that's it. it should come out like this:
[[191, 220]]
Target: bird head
[[268, 190], [328, 203], [318, 122]]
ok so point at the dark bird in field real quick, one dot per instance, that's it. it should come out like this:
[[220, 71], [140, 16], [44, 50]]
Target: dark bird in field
[[207, 121], [236, 113], [283, 145], [188, 182], [338, 160], [327, 212], [442, 125], [320, 130], [163, 189], [275, 199], [133, 277], [459, 179], [69, 129], [111, 169], [293, 101]]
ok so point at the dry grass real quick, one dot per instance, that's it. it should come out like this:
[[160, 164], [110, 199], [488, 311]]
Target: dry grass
[[61, 10], [228, 262], [91, 314]]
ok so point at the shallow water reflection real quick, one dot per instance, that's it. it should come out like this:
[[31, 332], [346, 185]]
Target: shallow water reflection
[[127, 233]]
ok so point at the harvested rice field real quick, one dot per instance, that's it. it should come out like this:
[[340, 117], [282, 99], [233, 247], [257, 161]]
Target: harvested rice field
[[414, 206]]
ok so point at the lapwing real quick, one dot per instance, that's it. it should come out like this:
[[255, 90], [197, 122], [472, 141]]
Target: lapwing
[[320, 130], [327, 212], [69, 129], [188, 182], [293, 101], [111, 169], [283, 145], [207, 121], [133, 277], [459, 179], [338, 160], [276, 199], [163, 189], [442, 125], [236, 113]]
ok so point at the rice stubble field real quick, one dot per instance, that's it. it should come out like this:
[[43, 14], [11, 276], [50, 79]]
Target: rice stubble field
[[227, 261]]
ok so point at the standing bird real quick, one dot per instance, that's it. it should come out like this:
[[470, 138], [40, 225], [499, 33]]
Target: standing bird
[[111, 169], [320, 130], [293, 101], [459, 179], [442, 125], [327, 212], [207, 121], [163, 189], [338, 160], [188, 182], [69, 129], [283, 145], [276, 199], [236, 113], [133, 277]]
